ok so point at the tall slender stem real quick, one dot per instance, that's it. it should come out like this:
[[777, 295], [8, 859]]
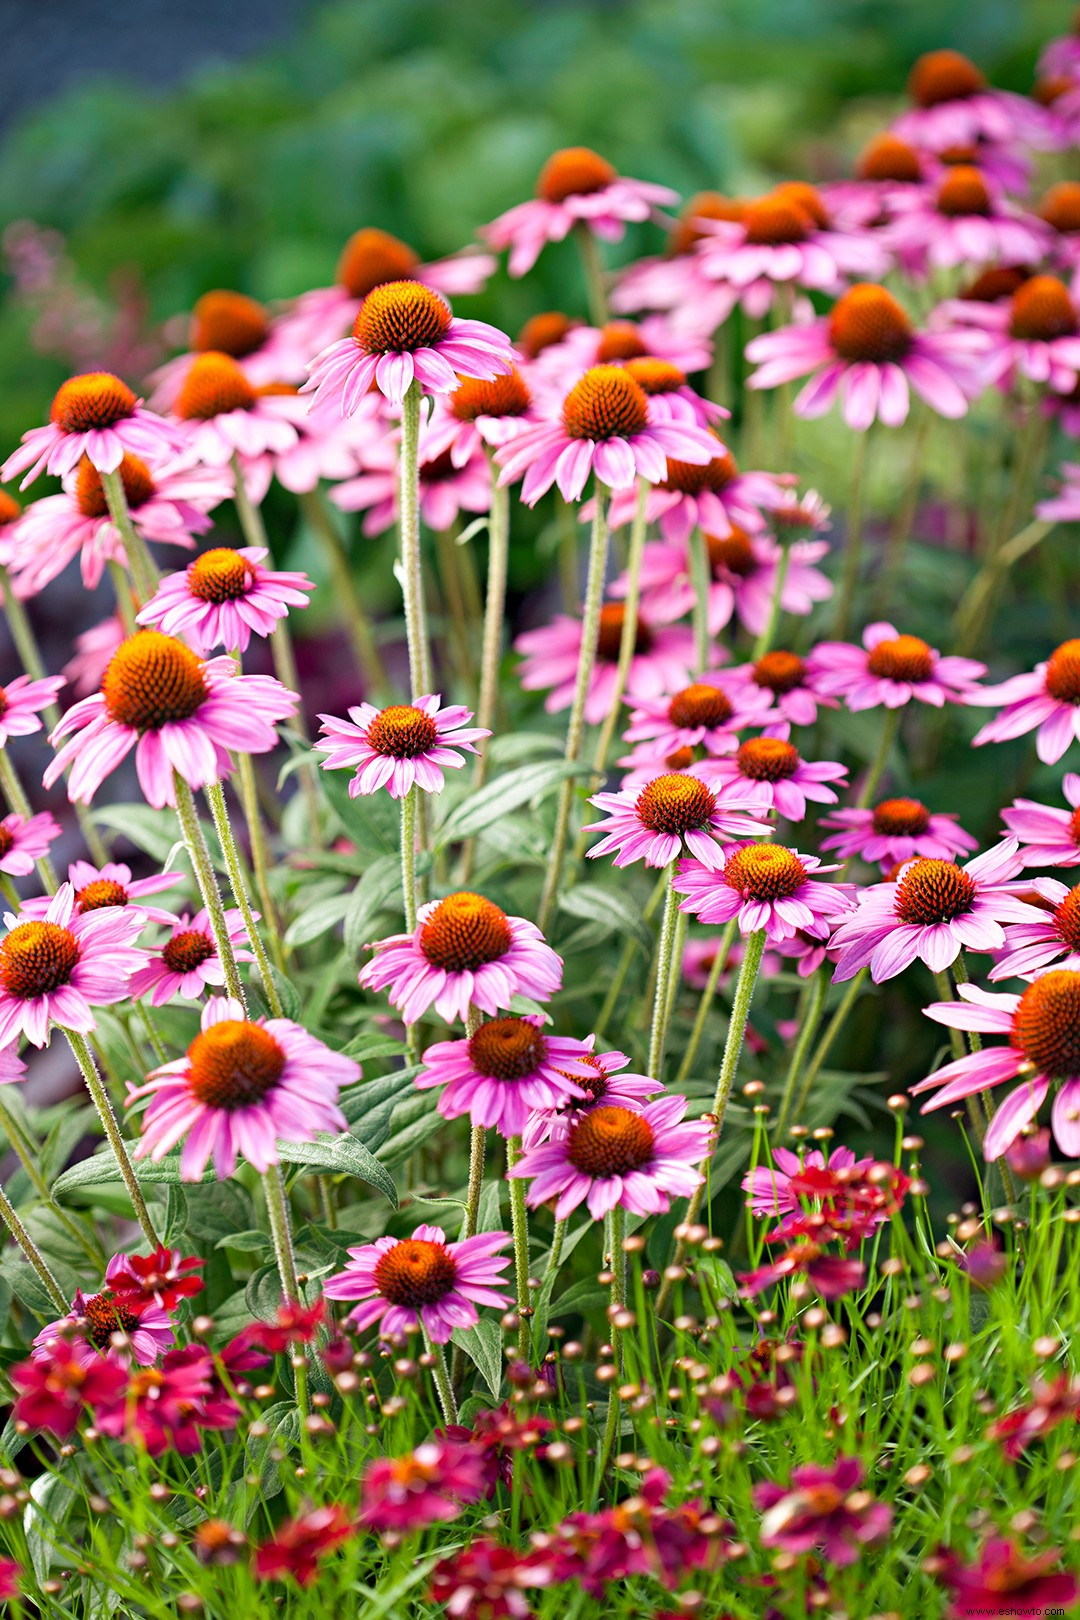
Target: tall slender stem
[[825, 1045], [143, 570], [519, 1225], [33, 1254], [594, 273], [617, 1233], [740, 1014], [664, 968], [277, 1208], [889, 727], [618, 978], [849, 579], [408, 858], [699, 610], [628, 636], [412, 579], [811, 1017], [87, 1067], [365, 648], [477, 1145], [260, 854], [15, 794], [494, 609], [768, 634], [442, 1379], [590, 629], [708, 994], [126, 605], [199, 856], [215, 798]]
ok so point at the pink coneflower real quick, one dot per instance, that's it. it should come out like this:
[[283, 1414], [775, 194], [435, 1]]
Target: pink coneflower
[[112, 885], [868, 352], [24, 840], [637, 1159], [705, 714], [1048, 699], [716, 498], [446, 489], [325, 450], [964, 220], [406, 1283], [771, 1189], [888, 170], [478, 414], [94, 1319], [188, 963], [933, 911], [57, 968], [54, 1393], [604, 427], [508, 1067], [97, 416], [404, 330], [1048, 836], [772, 769], [662, 661], [576, 187], [167, 506], [892, 669], [224, 597], [896, 831], [789, 680], [426, 1486], [227, 322], [179, 713], [955, 107], [671, 281], [1035, 334], [1051, 941], [674, 813], [163, 1278], [242, 1084], [822, 1509], [464, 949], [655, 353], [299, 1545], [743, 570], [1003, 1581], [764, 886], [21, 703], [93, 649], [1064, 507], [604, 1085], [401, 747], [222, 415]]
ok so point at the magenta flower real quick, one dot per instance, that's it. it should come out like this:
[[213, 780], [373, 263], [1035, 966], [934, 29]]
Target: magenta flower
[[964, 220], [933, 911], [603, 1085], [21, 703], [1002, 1581], [227, 322], [242, 1084], [1053, 940], [673, 813], [790, 681], [223, 597], [764, 886], [164, 1409], [162, 1278], [222, 415], [891, 669], [188, 962], [1048, 836], [770, 1189], [93, 649], [704, 715], [53, 1394], [446, 489], [11, 1570], [507, 1068], [869, 353], [576, 187], [662, 661], [299, 1545], [822, 1509], [112, 885], [477, 415], [24, 840], [636, 1159], [604, 427], [743, 571], [1034, 334], [179, 713], [423, 1281], [97, 416], [772, 772], [56, 969], [426, 1486], [404, 330], [715, 497], [90, 1324], [464, 949], [894, 832], [1048, 700], [656, 353], [955, 107], [404, 746]]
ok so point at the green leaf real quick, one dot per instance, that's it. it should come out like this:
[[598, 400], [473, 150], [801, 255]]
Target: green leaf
[[483, 1344], [507, 793], [155, 831], [246, 1242], [371, 1044], [102, 1170], [51, 1499], [340, 1155], [369, 821], [608, 909], [377, 891], [317, 920]]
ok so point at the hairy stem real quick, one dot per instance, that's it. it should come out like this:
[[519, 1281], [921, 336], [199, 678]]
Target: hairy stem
[[199, 855], [215, 798], [88, 1069]]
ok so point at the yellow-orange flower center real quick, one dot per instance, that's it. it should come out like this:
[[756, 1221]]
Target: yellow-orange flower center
[[97, 399], [187, 950], [370, 258], [1063, 672], [1061, 206], [220, 575], [416, 1271], [1047, 90], [932, 892], [963, 191], [620, 340], [767, 759], [700, 705], [595, 1087], [779, 672], [90, 491], [465, 931], [575, 171], [400, 317], [1046, 1024], [609, 634], [806, 197], [605, 403], [943, 76], [900, 818], [705, 205], [610, 1141], [153, 679], [868, 324], [776, 220], [1042, 310], [887, 157], [37, 958], [507, 395], [9, 508], [214, 385], [234, 1064], [731, 553], [764, 872], [105, 1315], [656, 376], [541, 331], [687, 478], [901, 658], [100, 893], [402, 731], [999, 282], [675, 804], [507, 1049], [229, 322], [7, 840], [1067, 919], [680, 759]]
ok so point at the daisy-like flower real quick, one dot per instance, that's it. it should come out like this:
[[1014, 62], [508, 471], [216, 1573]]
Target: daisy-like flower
[[655, 341], [662, 660], [1052, 941], [576, 186], [605, 428], [704, 715], [188, 962], [423, 1281], [933, 911], [954, 107], [823, 1509], [404, 330], [892, 669], [167, 506], [401, 747], [637, 1159], [603, 1085], [965, 220], [764, 886], [507, 1068], [888, 168], [227, 322], [58, 968], [674, 813], [176, 710], [770, 1189], [670, 281], [1046, 701], [465, 949], [868, 352], [446, 490], [716, 498], [224, 597], [53, 1394], [95, 1318], [24, 840], [428, 1485], [478, 414], [242, 1084], [221, 414], [97, 416], [299, 1545], [772, 770], [21, 703], [1034, 334], [789, 680], [1047, 835], [112, 885], [163, 1278], [1003, 1578], [896, 831], [1042, 1030]]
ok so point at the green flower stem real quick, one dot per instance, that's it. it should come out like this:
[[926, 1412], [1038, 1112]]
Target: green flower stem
[[33, 1254], [808, 1024], [619, 976], [125, 602], [664, 968], [825, 1045], [215, 798], [599, 313], [15, 794], [10, 893], [628, 637], [412, 578], [408, 858], [700, 579], [457, 622], [617, 1232], [260, 854], [477, 1145], [849, 579], [26, 1152], [84, 1058], [889, 727], [723, 950], [566, 527], [199, 856], [152, 1035], [320, 518], [768, 634], [143, 570], [558, 1238], [590, 629], [442, 1379], [519, 1223], [277, 1208], [494, 610]]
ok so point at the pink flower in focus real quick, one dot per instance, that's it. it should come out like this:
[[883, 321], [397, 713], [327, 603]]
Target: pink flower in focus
[[221, 415], [822, 1509], [507, 1068], [602, 1085], [657, 356], [189, 962], [716, 498], [163, 1278], [223, 597], [764, 886], [891, 669], [790, 680], [771, 771], [423, 1281], [705, 715], [404, 746], [743, 571], [1053, 940], [24, 840], [299, 1545], [771, 1191], [1048, 836], [112, 885], [1047, 700], [21, 703], [672, 814], [93, 1320], [427, 1486], [97, 416], [662, 661], [896, 831], [478, 415]]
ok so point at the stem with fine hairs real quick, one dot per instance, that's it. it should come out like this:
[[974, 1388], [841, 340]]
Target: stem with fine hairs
[[199, 855], [215, 798], [87, 1067]]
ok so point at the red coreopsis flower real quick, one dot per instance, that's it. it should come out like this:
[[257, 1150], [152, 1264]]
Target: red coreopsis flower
[[163, 1278], [294, 1324], [1052, 1402], [426, 1486], [824, 1509], [806, 1256], [300, 1544], [484, 1581], [498, 1435], [1002, 1581], [165, 1408], [55, 1390]]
